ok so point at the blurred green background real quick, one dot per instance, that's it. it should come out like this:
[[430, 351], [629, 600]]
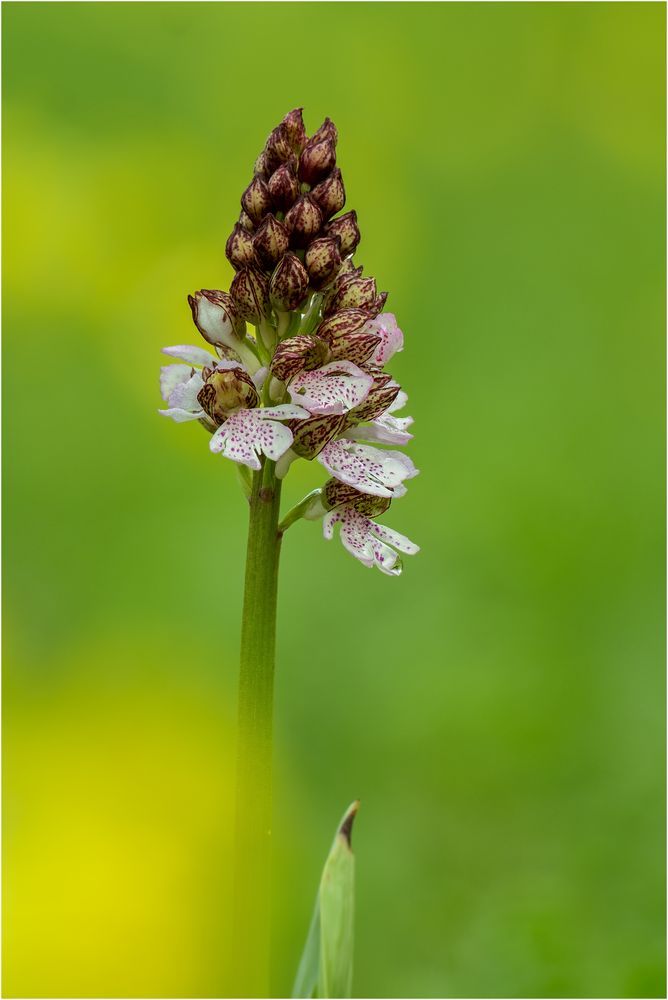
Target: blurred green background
[[499, 709]]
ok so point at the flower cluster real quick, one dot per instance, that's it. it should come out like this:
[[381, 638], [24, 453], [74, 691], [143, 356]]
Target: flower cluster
[[309, 381]]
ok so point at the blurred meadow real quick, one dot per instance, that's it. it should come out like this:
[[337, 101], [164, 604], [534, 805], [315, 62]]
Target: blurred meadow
[[498, 709]]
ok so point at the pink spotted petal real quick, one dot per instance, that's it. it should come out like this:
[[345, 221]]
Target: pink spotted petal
[[192, 355], [395, 539], [370, 470], [391, 337], [247, 434], [334, 388]]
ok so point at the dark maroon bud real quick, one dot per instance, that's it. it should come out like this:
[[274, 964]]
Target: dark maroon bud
[[226, 390], [346, 228], [330, 194], [341, 324], [316, 161], [262, 168], [284, 186], [246, 222], [255, 200], [294, 125], [323, 261], [303, 221], [298, 354], [346, 272], [355, 293], [239, 247], [250, 291], [277, 149], [311, 436], [289, 283], [270, 242], [327, 130]]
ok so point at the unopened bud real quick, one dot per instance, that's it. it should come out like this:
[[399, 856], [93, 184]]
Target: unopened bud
[[255, 200], [246, 222], [298, 354], [284, 186], [270, 241], [261, 167], [379, 303], [294, 125], [355, 293], [216, 317], [322, 260], [330, 194], [226, 390], [327, 130], [289, 283], [239, 247], [356, 347], [277, 149], [250, 291], [317, 159], [303, 221], [346, 228], [341, 324]]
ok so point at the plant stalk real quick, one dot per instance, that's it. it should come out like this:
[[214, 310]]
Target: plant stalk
[[252, 853]]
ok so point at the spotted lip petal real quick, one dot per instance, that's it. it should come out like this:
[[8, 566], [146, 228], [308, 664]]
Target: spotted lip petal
[[370, 470], [247, 434], [371, 543], [335, 388]]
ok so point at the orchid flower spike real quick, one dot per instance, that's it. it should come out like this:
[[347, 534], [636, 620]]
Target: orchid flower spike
[[308, 381]]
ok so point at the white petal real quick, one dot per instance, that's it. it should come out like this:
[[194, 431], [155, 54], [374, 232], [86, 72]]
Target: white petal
[[334, 388], [386, 429], [391, 337], [328, 523], [247, 434], [395, 539], [193, 355], [180, 416], [171, 376], [399, 402], [368, 469], [184, 395], [386, 559]]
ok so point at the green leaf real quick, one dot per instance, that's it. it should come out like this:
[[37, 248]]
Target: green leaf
[[326, 966]]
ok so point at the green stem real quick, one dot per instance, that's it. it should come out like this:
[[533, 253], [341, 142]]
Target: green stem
[[252, 869]]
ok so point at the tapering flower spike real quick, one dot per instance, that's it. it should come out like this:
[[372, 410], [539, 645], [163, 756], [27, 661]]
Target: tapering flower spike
[[309, 382]]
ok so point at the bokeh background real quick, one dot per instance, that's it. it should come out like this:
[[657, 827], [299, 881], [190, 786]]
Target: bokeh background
[[498, 709]]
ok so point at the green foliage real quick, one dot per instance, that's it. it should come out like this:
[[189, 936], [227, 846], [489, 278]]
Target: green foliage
[[326, 966]]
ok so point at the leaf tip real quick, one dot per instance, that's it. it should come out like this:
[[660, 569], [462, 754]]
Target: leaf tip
[[346, 827]]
